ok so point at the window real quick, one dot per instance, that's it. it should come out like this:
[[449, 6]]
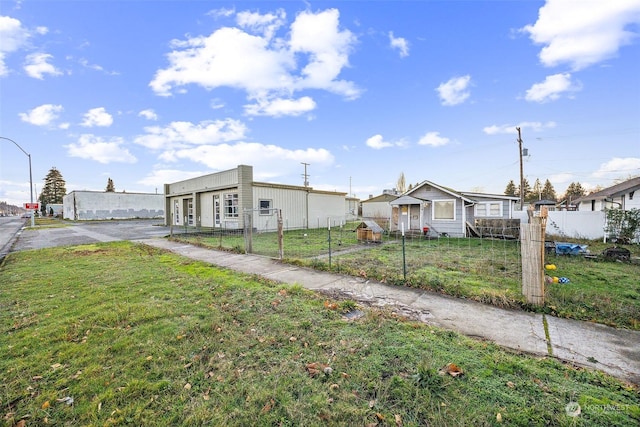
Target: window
[[444, 209], [488, 209], [231, 205], [265, 207]]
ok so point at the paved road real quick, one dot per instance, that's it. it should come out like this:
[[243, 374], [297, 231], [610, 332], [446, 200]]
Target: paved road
[[16, 238], [10, 226]]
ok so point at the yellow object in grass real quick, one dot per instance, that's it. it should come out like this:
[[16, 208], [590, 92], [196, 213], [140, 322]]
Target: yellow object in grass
[[550, 267]]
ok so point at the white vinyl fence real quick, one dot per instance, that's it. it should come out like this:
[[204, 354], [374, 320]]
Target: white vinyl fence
[[574, 224]]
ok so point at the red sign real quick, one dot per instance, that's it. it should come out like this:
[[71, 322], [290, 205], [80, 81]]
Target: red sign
[[31, 206]]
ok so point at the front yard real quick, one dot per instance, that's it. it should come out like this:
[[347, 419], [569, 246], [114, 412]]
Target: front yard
[[486, 270]]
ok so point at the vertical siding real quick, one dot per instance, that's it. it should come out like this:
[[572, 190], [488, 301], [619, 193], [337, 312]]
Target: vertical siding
[[324, 207], [94, 205], [290, 201]]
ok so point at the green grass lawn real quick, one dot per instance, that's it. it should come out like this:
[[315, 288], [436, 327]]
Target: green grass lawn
[[486, 270], [121, 334]]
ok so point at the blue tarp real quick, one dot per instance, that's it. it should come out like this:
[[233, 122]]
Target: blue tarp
[[570, 249]]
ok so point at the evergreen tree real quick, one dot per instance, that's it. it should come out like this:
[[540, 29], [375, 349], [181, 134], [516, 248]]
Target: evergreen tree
[[536, 192], [527, 189], [548, 192], [110, 187], [511, 189], [54, 188], [574, 191]]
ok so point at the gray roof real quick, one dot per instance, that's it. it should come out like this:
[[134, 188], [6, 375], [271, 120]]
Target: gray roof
[[613, 191], [407, 200], [371, 225]]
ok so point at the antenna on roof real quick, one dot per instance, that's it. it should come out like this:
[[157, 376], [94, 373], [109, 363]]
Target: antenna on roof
[[305, 175]]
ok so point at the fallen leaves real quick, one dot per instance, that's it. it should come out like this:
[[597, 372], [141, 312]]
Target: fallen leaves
[[330, 305], [452, 369], [314, 369], [268, 406]]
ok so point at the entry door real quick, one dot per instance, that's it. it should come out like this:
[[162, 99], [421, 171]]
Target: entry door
[[216, 210], [404, 217], [188, 209]]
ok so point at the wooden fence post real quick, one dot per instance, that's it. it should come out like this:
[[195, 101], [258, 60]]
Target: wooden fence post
[[532, 251]]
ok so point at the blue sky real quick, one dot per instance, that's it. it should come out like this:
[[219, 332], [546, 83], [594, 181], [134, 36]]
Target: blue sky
[[152, 92]]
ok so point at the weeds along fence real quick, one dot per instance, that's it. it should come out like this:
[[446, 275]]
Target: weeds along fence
[[427, 261]]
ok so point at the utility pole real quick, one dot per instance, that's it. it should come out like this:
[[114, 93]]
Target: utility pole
[[305, 175], [306, 184], [521, 170]]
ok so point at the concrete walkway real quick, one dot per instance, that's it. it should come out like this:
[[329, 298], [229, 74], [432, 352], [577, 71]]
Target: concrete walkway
[[614, 351]]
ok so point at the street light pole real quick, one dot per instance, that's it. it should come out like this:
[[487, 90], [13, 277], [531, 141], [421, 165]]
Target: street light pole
[[30, 176]]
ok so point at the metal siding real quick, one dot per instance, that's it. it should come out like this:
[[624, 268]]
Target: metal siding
[[323, 207], [212, 181], [291, 202]]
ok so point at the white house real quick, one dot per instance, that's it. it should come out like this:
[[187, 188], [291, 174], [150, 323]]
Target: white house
[[619, 196], [231, 199]]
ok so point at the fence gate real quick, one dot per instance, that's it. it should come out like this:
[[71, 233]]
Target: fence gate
[[263, 220]]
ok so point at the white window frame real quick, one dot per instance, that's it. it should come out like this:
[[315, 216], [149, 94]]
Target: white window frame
[[436, 202], [231, 209], [265, 210], [487, 209]]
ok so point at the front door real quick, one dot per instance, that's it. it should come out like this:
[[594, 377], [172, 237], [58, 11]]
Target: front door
[[404, 223], [216, 210]]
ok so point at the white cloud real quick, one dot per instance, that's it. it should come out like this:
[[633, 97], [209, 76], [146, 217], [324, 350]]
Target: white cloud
[[42, 115], [216, 104], [148, 114], [221, 12], [377, 142], [551, 88], [268, 160], [103, 151], [97, 117], [265, 66], [157, 178], [617, 167], [12, 38], [399, 43], [36, 66], [511, 129], [183, 134], [328, 47], [266, 24], [583, 33], [281, 107], [455, 90], [433, 139]]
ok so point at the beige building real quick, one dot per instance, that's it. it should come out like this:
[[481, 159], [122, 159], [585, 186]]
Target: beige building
[[230, 199]]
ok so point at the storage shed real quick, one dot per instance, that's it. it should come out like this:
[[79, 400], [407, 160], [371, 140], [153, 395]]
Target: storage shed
[[369, 231]]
